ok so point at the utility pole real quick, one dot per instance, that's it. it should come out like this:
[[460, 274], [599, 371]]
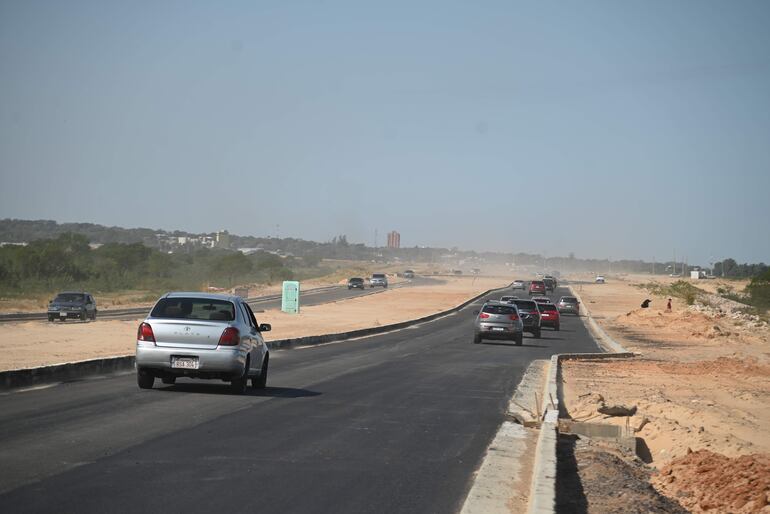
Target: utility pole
[[653, 264], [674, 270]]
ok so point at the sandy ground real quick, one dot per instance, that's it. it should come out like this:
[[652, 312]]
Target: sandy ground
[[702, 382], [38, 343]]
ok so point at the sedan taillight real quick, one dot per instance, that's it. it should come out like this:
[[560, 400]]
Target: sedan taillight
[[230, 337], [145, 333], [514, 317], [483, 315]]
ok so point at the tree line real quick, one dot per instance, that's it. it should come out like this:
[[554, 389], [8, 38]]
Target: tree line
[[728, 268], [69, 262]]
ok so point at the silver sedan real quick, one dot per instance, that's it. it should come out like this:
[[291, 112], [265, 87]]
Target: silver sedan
[[568, 304], [201, 335]]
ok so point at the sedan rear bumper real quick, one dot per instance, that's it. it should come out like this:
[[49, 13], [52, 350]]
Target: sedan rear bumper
[[220, 362]]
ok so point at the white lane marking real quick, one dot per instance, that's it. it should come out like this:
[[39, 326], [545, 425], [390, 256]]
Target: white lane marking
[[32, 388]]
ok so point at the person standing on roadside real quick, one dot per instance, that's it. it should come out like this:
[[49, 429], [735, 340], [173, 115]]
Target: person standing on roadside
[[668, 305]]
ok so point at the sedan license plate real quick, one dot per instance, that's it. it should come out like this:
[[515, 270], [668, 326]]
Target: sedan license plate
[[184, 362], [498, 329], [63, 314]]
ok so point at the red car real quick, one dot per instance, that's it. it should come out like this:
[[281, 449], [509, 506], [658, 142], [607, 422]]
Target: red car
[[537, 287], [549, 315]]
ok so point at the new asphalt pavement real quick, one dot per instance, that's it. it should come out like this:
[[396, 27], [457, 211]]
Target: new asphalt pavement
[[397, 422]]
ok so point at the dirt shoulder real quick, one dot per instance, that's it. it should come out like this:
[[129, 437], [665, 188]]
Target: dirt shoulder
[[37, 343], [702, 383]]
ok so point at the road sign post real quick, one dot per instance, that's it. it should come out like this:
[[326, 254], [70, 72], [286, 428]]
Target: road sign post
[[290, 297]]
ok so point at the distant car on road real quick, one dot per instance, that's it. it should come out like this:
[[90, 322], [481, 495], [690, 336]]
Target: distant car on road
[[201, 335], [518, 284], [530, 316], [72, 304], [378, 279], [409, 274], [540, 299], [549, 316], [599, 279], [568, 304], [508, 299], [498, 320], [536, 287], [356, 283]]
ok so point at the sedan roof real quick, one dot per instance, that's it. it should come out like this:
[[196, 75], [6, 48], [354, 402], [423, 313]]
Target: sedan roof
[[197, 294]]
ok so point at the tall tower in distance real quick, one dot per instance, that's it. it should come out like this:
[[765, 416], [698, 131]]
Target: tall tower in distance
[[223, 239], [394, 239]]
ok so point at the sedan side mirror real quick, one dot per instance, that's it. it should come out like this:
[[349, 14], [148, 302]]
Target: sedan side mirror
[[265, 327]]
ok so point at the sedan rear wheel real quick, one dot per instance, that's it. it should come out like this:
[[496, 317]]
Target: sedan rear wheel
[[477, 339], [238, 385], [260, 382], [144, 380]]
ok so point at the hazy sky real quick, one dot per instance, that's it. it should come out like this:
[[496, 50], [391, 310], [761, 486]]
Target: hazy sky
[[608, 129]]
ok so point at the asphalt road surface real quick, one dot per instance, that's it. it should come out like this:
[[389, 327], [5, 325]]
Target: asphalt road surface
[[397, 422]]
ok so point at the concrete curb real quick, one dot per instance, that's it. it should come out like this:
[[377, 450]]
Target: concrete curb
[[501, 472], [26, 377], [542, 495], [62, 372], [598, 333]]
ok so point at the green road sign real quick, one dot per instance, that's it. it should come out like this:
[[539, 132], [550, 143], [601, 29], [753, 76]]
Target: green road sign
[[290, 297]]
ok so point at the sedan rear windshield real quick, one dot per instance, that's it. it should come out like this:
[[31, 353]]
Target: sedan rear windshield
[[356, 280], [538, 283], [569, 299], [546, 307], [70, 297], [194, 308], [526, 304], [378, 275], [498, 309]]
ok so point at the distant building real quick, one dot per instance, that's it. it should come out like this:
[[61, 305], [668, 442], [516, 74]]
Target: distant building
[[394, 240], [223, 239]]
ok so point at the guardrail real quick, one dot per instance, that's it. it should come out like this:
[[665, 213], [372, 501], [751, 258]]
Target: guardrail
[[69, 371]]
